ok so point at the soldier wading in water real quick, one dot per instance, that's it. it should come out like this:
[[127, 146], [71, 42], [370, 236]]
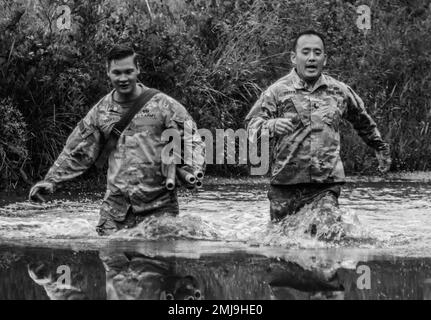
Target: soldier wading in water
[[302, 113], [135, 179]]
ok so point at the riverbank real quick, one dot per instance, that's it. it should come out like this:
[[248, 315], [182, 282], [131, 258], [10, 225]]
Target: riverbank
[[417, 176], [98, 184]]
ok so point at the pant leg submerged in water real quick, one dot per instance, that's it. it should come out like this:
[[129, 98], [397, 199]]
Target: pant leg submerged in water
[[118, 213], [288, 200], [325, 205]]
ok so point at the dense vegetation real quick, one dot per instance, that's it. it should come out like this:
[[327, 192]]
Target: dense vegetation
[[215, 57]]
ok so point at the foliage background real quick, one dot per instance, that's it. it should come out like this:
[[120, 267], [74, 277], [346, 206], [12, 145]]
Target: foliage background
[[215, 57]]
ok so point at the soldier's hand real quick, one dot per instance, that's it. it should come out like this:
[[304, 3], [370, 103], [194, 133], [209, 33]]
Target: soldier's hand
[[283, 126], [42, 187], [384, 159]]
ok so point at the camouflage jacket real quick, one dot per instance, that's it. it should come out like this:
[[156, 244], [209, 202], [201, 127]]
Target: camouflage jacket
[[135, 165], [311, 152]]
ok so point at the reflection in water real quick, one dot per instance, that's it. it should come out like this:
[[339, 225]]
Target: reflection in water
[[128, 276], [296, 283], [32, 274], [133, 276], [118, 274], [55, 288]]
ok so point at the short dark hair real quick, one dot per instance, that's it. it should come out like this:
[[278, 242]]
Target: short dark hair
[[120, 52], [308, 32]]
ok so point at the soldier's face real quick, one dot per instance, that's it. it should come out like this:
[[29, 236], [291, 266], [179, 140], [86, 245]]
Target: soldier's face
[[309, 57], [123, 74]]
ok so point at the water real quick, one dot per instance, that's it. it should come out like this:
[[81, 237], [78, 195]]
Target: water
[[223, 246]]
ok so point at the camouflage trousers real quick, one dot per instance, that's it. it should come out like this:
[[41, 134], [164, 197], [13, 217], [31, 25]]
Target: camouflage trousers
[[287, 200], [118, 212]]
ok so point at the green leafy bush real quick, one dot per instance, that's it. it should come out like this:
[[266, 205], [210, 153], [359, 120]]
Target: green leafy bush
[[216, 57], [13, 142]]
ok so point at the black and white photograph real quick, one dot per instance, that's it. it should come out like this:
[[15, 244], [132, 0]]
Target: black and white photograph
[[239, 151]]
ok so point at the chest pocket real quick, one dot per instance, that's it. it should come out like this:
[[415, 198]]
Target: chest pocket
[[329, 112], [286, 106], [302, 107], [287, 110]]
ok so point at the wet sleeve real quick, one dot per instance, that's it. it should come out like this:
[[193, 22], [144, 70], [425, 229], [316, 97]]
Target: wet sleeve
[[362, 122], [193, 150], [80, 152], [262, 116]]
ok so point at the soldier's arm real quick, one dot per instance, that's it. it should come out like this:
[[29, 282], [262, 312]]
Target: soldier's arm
[[362, 122], [177, 118], [262, 116], [80, 152]]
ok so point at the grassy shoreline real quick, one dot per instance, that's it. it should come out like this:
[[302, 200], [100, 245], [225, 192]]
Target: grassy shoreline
[[99, 184], [417, 176]]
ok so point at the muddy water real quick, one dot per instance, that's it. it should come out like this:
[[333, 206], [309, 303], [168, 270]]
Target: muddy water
[[393, 216], [222, 246]]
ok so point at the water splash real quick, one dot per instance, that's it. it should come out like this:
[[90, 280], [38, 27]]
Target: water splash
[[167, 227], [394, 216]]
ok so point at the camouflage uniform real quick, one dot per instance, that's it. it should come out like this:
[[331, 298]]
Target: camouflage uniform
[[135, 183], [310, 154]]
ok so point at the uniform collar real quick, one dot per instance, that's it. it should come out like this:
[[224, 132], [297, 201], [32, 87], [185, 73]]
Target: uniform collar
[[111, 94], [298, 83]]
